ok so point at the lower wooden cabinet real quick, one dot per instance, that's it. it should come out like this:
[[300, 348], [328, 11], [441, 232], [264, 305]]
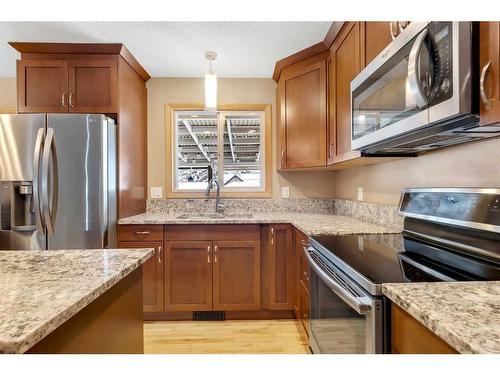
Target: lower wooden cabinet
[[408, 336], [301, 281], [236, 275], [188, 276], [152, 272], [280, 267], [212, 275]]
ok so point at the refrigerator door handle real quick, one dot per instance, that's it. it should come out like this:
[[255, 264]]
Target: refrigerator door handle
[[49, 199], [36, 180]]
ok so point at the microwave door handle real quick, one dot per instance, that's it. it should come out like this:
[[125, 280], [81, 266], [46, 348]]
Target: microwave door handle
[[413, 70], [49, 156], [36, 181], [357, 303]]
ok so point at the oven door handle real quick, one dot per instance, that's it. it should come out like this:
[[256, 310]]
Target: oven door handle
[[362, 305]]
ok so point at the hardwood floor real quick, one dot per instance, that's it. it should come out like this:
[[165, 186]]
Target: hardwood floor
[[226, 337]]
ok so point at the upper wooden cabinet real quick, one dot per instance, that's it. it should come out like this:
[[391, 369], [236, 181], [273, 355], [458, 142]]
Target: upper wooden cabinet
[[489, 57], [377, 35], [345, 64], [301, 98], [92, 78], [59, 86], [93, 86], [42, 86]]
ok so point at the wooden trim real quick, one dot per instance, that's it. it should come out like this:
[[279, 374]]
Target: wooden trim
[[332, 33], [230, 315], [83, 48], [169, 135], [8, 110], [296, 57]]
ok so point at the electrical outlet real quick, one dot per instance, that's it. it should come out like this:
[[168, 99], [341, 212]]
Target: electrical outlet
[[285, 192], [156, 192], [360, 193]]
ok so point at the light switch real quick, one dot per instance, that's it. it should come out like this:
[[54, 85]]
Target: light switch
[[156, 192], [285, 192], [360, 193]]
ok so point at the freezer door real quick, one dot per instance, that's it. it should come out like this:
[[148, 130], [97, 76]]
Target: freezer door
[[18, 136], [78, 181]]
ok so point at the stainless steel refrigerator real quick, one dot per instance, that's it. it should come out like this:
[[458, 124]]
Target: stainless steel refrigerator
[[57, 181]]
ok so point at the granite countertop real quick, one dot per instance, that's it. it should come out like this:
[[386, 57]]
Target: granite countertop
[[464, 314], [310, 224], [40, 290]]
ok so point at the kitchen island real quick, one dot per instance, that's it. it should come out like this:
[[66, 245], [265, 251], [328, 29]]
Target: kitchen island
[[462, 314], [71, 301]]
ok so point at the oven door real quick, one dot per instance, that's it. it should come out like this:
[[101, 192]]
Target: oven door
[[421, 78], [344, 319]]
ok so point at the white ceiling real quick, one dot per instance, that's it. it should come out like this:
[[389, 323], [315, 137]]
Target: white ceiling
[[176, 49]]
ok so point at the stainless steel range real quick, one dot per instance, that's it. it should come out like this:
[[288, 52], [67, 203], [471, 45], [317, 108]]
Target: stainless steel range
[[449, 235]]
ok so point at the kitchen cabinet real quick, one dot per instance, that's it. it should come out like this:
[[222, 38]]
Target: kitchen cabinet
[[301, 102], [92, 86], [236, 275], [42, 86], [62, 86], [301, 281], [280, 267], [344, 66], [408, 336], [92, 78], [219, 271], [152, 273], [188, 275], [377, 35], [489, 65]]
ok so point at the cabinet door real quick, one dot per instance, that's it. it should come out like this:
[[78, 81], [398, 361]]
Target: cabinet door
[[347, 65], [304, 307], [280, 266], [236, 275], [42, 86], [93, 86], [152, 274], [188, 275], [377, 36], [489, 56], [303, 116]]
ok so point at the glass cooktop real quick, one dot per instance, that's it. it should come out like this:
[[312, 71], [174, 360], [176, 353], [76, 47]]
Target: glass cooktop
[[372, 260]]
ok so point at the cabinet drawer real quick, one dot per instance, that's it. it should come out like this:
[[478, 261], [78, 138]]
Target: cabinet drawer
[[140, 233]]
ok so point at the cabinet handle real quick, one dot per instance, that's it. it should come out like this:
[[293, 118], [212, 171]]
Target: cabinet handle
[[484, 98], [282, 157], [215, 254], [208, 254], [159, 254], [63, 100], [272, 236], [331, 149], [394, 33], [71, 104], [142, 232]]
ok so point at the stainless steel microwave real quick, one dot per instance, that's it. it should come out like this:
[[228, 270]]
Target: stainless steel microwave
[[420, 93]]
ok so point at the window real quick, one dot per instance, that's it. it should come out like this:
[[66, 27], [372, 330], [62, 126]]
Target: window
[[236, 139]]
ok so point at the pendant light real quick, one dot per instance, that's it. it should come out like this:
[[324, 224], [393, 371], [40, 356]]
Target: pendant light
[[210, 84]]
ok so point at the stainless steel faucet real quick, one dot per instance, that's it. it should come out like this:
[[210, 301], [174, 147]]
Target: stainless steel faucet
[[219, 208]]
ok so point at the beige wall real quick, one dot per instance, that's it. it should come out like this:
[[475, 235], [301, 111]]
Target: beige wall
[[471, 165], [7, 93], [231, 90]]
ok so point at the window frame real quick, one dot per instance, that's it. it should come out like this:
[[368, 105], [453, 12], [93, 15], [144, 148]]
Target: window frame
[[264, 191]]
